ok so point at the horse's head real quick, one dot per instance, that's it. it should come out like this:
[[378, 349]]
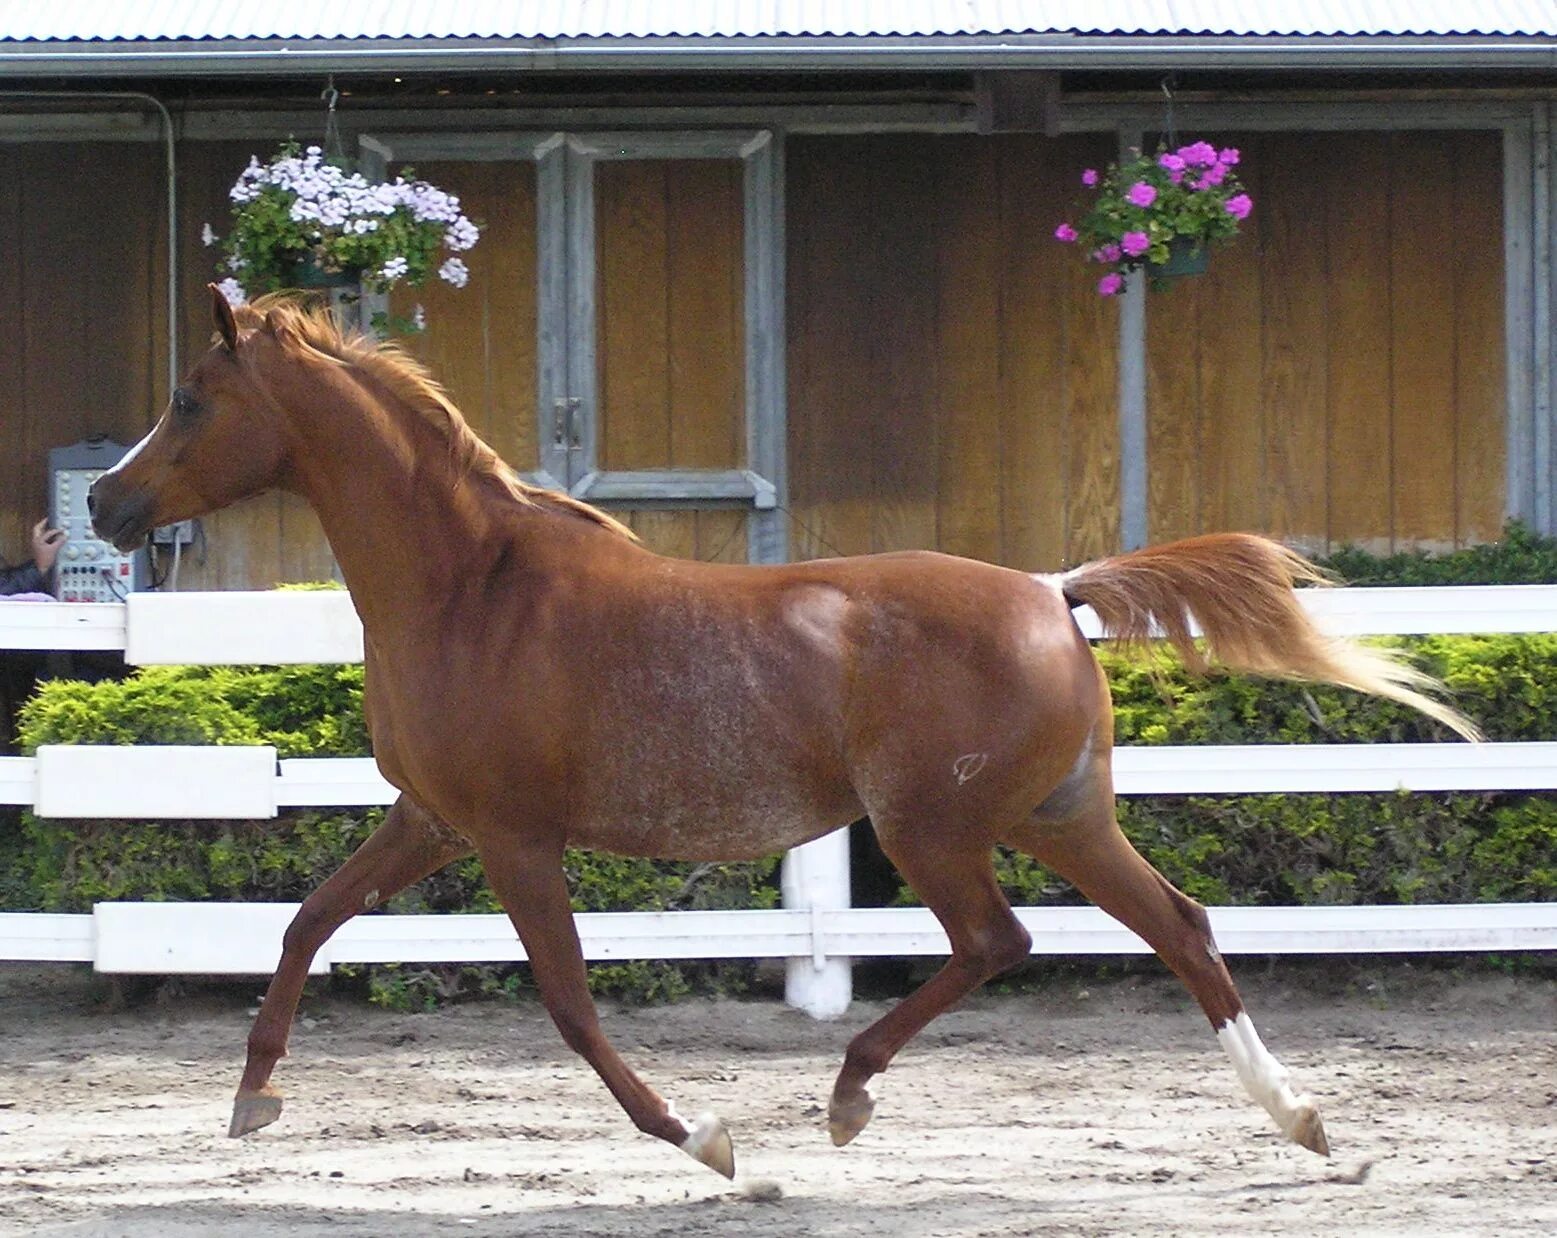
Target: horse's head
[[219, 440]]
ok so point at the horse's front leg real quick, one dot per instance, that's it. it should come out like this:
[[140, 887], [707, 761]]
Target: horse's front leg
[[531, 885], [410, 844]]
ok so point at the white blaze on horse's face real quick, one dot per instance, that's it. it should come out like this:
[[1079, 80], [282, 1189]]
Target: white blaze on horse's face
[[130, 455]]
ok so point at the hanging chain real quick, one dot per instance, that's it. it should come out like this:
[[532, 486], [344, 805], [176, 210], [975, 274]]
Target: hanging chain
[[334, 150], [1172, 135]]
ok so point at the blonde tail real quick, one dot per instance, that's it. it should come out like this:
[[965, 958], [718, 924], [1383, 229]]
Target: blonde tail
[[1239, 589]]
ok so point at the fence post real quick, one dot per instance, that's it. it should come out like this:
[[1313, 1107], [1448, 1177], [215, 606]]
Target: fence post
[[816, 879]]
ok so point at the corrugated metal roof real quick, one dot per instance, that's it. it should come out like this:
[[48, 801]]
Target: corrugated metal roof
[[116, 20]]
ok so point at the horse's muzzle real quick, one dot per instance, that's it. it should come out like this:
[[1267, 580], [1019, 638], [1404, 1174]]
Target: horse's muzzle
[[123, 519]]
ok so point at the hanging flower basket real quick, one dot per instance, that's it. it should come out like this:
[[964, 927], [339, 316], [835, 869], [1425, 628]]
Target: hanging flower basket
[[1186, 256], [307, 273], [1160, 212], [300, 221]]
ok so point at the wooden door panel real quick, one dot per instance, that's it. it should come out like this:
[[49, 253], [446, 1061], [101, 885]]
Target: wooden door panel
[[711, 535], [670, 314]]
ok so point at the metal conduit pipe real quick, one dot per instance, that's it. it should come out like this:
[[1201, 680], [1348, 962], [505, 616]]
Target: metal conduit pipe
[[172, 195]]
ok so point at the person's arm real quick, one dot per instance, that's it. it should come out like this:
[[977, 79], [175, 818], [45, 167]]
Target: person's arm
[[24, 578], [34, 577]]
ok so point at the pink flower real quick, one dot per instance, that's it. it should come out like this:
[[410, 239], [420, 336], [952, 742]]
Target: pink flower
[[1141, 194], [1240, 206], [1110, 252], [1214, 175], [1172, 162], [1110, 284], [1089, 177], [1198, 154], [1176, 176], [1229, 156], [1135, 243], [1065, 233]]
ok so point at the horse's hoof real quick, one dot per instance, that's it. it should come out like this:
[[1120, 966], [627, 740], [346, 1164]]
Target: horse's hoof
[[252, 1110], [1309, 1130], [848, 1116], [710, 1143]]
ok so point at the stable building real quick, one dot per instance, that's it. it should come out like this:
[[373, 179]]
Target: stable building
[[778, 281]]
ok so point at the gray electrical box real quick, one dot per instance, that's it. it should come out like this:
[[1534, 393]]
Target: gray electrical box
[[88, 569]]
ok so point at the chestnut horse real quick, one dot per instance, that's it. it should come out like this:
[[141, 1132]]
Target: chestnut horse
[[536, 679]]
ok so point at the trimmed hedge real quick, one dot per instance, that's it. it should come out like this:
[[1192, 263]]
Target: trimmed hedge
[[1269, 849], [1519, 557], [310, 711], [1353, 848], [1345, 848]]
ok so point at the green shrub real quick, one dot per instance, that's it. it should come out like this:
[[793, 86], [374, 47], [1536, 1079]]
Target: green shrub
[[314, 711], [1270, 849], [1344, 848], [1519, 557]]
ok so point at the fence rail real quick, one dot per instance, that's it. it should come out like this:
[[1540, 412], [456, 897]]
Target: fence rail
[[245, 938], [817, 931], [249, 783], [302, 626]]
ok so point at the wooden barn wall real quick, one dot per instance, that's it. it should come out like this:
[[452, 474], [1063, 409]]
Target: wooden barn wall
[[83, 340], [952, 372], [274, 538], [82, 280], [1338, 376]]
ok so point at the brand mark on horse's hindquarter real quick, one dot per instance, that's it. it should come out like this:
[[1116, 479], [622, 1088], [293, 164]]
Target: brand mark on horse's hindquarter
[[969, 766]]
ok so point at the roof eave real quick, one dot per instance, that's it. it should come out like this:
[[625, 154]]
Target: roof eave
[[208, 58]]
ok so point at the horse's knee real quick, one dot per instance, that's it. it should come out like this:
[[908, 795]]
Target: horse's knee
[[995, 950], [308, 930]]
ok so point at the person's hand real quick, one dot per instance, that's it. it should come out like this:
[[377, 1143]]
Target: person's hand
[[45, 545]]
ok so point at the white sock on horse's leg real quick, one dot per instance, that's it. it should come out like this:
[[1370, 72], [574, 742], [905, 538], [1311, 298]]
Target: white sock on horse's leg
[[1266, 1080], [707, 1141]]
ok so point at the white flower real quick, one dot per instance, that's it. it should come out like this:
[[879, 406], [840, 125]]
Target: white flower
[[392, 270], [207, 236], [419, 318], [233, 291], [461, 234], [454, 272]]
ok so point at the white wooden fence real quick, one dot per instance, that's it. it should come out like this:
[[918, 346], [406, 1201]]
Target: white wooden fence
[[817, 930]]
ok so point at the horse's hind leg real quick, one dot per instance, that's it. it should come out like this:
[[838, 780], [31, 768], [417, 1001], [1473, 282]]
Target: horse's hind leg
[[1098, 859], [409, 845], [986, 939]]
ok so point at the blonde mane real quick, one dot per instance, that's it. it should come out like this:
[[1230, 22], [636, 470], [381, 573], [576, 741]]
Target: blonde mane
[[318, 329]]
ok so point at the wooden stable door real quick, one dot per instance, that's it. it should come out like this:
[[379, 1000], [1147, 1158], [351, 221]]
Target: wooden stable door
[[618, 338], [669, 337]]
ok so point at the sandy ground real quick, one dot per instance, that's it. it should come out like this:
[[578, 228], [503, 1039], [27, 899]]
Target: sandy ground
[[1098, 1109]]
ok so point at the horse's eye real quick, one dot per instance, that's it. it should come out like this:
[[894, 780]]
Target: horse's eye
[[184, 404]]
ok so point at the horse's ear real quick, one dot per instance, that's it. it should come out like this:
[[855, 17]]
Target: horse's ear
[[279, 327], [221, 314]]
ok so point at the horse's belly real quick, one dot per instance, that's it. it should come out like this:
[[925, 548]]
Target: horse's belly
[[739, 817]]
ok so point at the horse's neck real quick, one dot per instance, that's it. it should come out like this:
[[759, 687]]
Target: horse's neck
[[403, 526]]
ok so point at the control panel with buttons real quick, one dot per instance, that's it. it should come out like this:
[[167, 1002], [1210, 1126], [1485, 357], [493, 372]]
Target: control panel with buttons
[[88, 569]]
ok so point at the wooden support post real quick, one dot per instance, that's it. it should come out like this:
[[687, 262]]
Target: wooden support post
[[1018, 101]]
